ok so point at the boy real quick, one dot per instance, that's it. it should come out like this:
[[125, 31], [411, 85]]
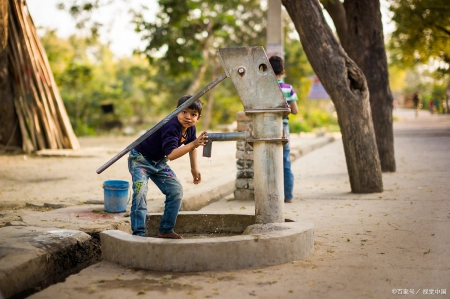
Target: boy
[[149, 160], [291, 98]]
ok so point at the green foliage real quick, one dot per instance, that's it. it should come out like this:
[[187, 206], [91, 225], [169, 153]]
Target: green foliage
[[420, 50], [183, 28], [297, 67], [397, 77], [437, 95], [299, 126], [313, 115], [226, 104], [425, 83], [422, 33], [313, 119], [88, 76], [184, 39]]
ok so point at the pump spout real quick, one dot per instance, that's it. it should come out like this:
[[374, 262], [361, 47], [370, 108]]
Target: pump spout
[[234, 136]]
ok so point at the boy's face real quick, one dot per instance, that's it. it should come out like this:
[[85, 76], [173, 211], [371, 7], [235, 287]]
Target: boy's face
[[188, 118]]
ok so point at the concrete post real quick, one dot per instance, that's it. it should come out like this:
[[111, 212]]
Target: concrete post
[[265, 104], [268, 167], [274, 29]]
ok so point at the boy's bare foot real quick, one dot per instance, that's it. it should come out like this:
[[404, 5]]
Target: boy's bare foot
[[172, 235]]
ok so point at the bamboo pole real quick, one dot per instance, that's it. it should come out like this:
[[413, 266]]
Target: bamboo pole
[[27, 144], [43, 119], [18, 64], [35, 88], [62, 113]]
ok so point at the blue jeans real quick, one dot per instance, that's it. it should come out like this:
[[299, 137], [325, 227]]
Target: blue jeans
[[288, 175], [165, 179]]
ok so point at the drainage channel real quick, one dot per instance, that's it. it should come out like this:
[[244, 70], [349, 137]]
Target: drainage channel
[[34, 258], [45, 248]]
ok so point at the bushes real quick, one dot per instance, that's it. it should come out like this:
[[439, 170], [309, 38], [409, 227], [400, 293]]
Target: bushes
[[313, 119]]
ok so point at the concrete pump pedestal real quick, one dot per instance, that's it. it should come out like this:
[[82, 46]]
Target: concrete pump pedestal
[[257, 245]]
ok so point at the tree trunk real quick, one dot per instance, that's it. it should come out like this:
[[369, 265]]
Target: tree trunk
[[347, 87], [364, 43], [336, 10], [9, 125]]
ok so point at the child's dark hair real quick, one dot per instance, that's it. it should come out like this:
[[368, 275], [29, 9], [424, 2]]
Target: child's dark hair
[[277, 64], [197, 105]]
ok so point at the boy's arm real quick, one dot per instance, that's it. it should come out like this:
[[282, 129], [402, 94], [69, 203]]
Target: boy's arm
[[294, 107], [293, 101], [194, 170], [181, 151]]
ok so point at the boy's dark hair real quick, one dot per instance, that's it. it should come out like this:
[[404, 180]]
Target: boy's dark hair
[[277, 64], [197, 105]]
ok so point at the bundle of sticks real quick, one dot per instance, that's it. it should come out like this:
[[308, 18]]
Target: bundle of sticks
[[43, 119]]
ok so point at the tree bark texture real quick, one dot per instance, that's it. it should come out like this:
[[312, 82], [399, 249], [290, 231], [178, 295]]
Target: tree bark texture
[[347, 87], [9, 126], [364, 43]]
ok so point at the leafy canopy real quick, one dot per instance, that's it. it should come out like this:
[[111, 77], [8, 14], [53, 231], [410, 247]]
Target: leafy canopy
[[183, 28], [422, 33]]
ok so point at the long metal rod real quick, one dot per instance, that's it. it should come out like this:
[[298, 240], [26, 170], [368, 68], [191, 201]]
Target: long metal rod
[[183, 106]]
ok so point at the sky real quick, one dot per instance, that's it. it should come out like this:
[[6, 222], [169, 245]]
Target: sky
[[117, 29]]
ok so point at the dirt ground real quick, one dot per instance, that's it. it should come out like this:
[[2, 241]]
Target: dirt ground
[[383, 245], [30, 183]]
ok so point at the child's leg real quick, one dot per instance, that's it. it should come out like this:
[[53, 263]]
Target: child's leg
[[288, 175], [137, 165], [169, 185]]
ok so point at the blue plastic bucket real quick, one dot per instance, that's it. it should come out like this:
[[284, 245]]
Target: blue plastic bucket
[[116, 195]]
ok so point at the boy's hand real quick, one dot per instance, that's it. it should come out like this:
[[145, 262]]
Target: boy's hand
[[196, 175], [202, 139]]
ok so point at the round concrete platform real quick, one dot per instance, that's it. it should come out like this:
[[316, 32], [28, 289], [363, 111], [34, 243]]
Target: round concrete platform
[[259, 245]]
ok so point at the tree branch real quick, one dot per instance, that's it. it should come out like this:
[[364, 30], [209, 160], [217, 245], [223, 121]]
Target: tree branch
[[337, 13], [445, 30]]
